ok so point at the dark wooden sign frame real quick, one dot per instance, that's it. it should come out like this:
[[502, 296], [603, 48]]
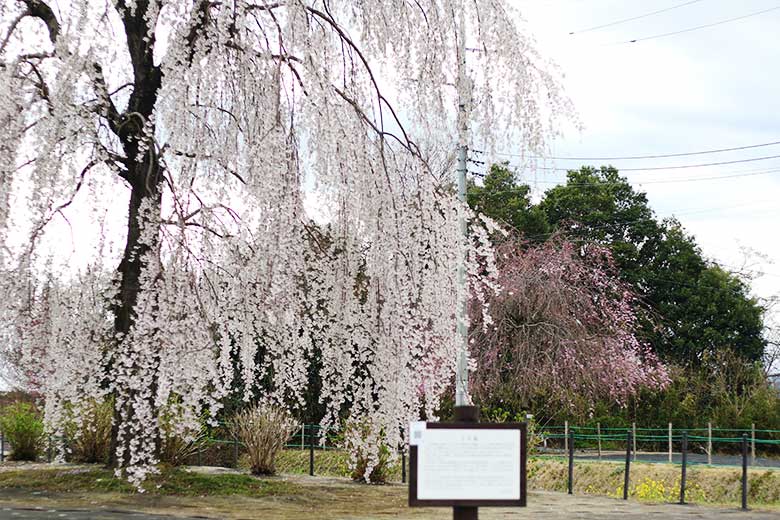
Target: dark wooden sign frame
[[521, 502]]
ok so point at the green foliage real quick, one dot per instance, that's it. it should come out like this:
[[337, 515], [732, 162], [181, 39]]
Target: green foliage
[[724, 390], [358, 442], [502, 199], [599, 205], [90, 440], [692, 312], [500, 415], [690, 308], [176, 445], [380, 471], [23, 429]]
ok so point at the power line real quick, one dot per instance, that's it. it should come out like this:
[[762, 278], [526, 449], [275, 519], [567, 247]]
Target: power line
[[705, 26], [670, 181], [631, 157], [652, 218], [624, 20], [676, 167]]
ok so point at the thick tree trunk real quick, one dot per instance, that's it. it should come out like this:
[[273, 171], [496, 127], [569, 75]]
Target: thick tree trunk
[[130, 269], [144, 176]]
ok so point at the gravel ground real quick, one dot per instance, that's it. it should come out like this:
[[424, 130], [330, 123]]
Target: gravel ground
[[332, 499]]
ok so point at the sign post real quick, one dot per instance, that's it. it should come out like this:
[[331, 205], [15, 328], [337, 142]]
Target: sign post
[[465, 465]]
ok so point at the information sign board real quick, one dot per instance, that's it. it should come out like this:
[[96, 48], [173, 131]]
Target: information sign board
[[467, 464]]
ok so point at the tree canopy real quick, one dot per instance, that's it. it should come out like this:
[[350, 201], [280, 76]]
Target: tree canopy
[[202, 126], [689, 307]]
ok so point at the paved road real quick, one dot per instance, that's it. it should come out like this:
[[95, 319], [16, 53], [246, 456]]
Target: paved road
[[542, 505], [81, 514]]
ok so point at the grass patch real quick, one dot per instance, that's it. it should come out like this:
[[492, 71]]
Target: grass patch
[[657, 483], [327, 463], [170, 482]]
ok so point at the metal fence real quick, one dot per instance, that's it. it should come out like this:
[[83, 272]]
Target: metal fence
[[712, 446], [629, 441]]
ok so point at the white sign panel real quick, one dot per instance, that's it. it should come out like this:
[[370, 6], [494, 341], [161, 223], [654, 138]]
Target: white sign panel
[[469, 464]]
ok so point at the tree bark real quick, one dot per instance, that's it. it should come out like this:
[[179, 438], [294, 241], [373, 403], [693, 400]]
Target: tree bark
[[145, 177]]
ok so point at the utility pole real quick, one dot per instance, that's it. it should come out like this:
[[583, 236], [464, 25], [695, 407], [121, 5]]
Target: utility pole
[[462, 374], [464, 412]]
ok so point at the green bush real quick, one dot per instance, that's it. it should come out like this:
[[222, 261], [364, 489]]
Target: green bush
[[355, 437], [177, 446], [23, 430], [90, 441]]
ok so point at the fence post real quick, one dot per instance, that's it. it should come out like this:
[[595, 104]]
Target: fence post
[[2, 447], [684, 463], [744, 471], [403, 466], [311, 451], [571, 461], [670, 443], [709, 443], [626, 478], [633, 435], [598, 436], [566, 436], [753, 444], [49, 450], [303, 440]]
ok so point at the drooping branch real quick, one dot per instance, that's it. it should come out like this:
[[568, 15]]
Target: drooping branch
[[58, 210], [12, 28], [410, 145], [41, 10]]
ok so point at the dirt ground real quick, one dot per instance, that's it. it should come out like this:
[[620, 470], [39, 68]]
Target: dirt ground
[[334, 498]]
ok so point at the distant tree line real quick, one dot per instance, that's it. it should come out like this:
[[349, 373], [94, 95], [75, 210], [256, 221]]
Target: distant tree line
[[697, 317]]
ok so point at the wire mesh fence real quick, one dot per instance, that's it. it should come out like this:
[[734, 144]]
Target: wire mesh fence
[[709, 445]]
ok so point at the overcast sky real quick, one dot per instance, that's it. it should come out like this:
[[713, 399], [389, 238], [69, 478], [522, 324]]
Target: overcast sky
[[704, 89]]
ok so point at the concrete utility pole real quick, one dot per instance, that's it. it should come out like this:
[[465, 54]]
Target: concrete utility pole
[[462, 375], [463, 411]]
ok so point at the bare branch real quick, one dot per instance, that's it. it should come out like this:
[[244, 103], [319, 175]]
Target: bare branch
[[42, 11], [12, 28]]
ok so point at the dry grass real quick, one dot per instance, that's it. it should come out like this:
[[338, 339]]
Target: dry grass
[[263, 429], [658, 482]]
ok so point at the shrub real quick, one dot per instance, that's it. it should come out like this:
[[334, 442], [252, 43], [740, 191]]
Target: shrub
[[499, 415], [177, 445], [361, 445], [90, 440], [23, 429], [264, 430]]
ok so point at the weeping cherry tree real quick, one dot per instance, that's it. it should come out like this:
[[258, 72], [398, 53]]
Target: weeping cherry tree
[[211, 125]]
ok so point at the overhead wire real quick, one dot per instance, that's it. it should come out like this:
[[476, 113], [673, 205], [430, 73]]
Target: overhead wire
[[675, 167], [646, 275], [699, 27], [735, 175], [631, 19], [632, 157]]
